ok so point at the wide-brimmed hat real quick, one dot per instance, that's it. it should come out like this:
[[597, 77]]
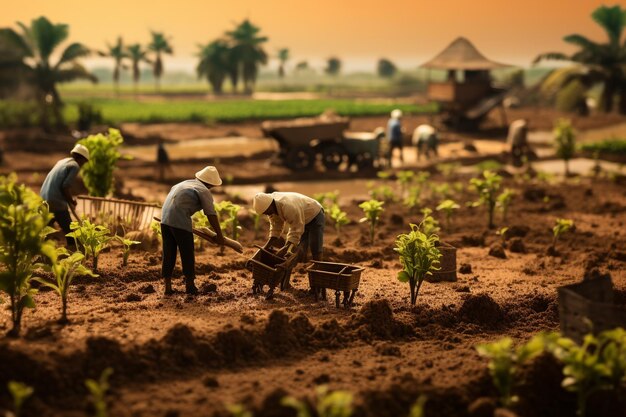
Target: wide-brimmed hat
[[209, 175], [262, 202], [81, 150], [396, 114]]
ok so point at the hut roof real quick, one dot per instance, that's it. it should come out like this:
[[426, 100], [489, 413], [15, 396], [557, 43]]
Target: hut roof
[[462, 55]]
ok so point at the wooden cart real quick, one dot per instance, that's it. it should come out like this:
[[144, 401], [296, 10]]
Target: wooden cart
[[334, 276], [265, 271]]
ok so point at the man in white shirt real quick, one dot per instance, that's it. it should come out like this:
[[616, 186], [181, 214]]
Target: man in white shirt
[[301, 215]]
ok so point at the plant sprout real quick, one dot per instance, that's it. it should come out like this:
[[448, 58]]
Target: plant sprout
[[156, 230], [256, 221], [103, 155], [405, 178], [502, 233], [231, 222], [200, 220], [372, 210], [24, 219], [414, 197], [327, 404], [419, 257], [417, 409], [504, 200], [339, 217], [487, 187], [448, 169], [444, 190], [65, 267], [561, 226], [565, 140], [98, 390], [91, 238], [327, 200], [382, 193], [20, 393], [126, 245], [448, 207], [429, 225], [383, 175]]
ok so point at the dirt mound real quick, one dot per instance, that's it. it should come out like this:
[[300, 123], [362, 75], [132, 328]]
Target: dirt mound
[[375, 320], [481, 310], [282, 336]]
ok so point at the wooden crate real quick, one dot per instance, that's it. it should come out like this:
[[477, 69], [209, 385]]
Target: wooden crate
[[335, 276], [587, 307]]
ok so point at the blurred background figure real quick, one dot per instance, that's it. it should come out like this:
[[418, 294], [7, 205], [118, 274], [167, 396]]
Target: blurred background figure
[[426, 140], [163, 161], [395, 134], [517, 142]]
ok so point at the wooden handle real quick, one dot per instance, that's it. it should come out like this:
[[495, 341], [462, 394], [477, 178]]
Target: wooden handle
[[209, 235]]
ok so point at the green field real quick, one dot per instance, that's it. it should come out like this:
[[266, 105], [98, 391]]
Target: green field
[[117, 111]]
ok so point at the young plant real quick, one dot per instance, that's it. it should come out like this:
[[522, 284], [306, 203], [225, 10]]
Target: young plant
[[339, 217], [64, 268], [417, 409], [383, 175], [565, 141], [487, 187], [156, 230], [327, 404], [231, 222], [405, 179], [502, 233], [429, 225], [24, 219], [91, 238], [561, 226], [20, 393], [256, 221], [448, 169], [126, 245], [103, 155], [372, 210], [98, 391], [448, 207], [443, 190], [504, 362], [198, 221], [419, 256], [414, 198], [504, 200], [382, 193]]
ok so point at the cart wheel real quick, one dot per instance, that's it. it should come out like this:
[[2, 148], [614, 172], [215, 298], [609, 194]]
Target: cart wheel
[[333, 156], [365, 161], [300, 158]]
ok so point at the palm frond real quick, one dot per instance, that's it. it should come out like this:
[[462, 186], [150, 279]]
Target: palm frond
[[47, 36], [554, 56], [74, 72], [74, 51], [15, 43], [581, 41], [612, 20]]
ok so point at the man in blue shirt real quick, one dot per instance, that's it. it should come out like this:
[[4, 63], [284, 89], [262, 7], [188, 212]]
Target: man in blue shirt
[[394, 134], [183, 200], [56, 188]]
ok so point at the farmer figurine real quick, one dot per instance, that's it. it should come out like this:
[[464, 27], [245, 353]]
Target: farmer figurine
[[304, 218], [56, 189], [517, 141], [425, 140], [183, 200], [394, 134]]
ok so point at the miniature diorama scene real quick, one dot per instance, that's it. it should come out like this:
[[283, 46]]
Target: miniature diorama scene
[[275, 208]]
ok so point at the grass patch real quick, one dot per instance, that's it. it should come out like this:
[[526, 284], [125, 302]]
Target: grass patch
[[606, 147]]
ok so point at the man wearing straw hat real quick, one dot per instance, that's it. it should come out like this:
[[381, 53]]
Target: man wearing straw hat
[[183, 200], [56, 188], [303, 216]]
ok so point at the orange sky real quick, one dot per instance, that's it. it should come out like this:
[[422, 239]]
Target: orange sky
[[359, 31]]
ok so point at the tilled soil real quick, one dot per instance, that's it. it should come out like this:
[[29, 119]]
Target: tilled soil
[[189, 356]]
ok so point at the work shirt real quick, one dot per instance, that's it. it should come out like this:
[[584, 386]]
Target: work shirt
[[185, 199], [294, 211], [394, 131], [422, 134], [61, 176]]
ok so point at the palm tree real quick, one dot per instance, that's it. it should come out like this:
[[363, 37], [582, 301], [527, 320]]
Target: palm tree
[[159, 45], [137, 55], [597, 63], [31, 50], [214, 63], [248, 52], [118, 53], [283, 57], [333, 66]]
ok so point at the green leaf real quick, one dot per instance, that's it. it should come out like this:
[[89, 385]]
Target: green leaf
[[403, 276]]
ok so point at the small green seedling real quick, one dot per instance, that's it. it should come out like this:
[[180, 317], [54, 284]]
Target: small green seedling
[[382, 193], [504, 200], [64, 267], [565, 141], [98, 391], [502, 233], [327, 200], [448, 169], [339, 217], [231, 222], [405, 179], [20, 393], [383, 175], [448, 207], [487, 187], [419, 257], [103, 155], [372, 210], [561, 226], [126, 246], [200, 220], [156, 230], [91, 239], [327, 404], [443, 190], [429, 225], [417, 409], [256, 221], [414, 198]]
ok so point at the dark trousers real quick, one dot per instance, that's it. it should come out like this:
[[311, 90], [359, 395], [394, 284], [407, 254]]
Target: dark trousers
[[313, 236], [392, 146], [178, 239], [63, 219]]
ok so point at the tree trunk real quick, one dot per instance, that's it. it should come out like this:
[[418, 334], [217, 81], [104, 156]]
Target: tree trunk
[[608, 94]]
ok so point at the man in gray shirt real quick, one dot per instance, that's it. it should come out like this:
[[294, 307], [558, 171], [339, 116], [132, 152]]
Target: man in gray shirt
[[183, 200], [56, 188]]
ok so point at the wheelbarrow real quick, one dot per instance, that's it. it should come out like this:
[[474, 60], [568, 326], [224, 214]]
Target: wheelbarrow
[[339, 277], [269, 269]]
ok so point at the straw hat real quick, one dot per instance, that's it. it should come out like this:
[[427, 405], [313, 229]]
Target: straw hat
[[262, 202], [81, 150], [396, 114], [209, 175]]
